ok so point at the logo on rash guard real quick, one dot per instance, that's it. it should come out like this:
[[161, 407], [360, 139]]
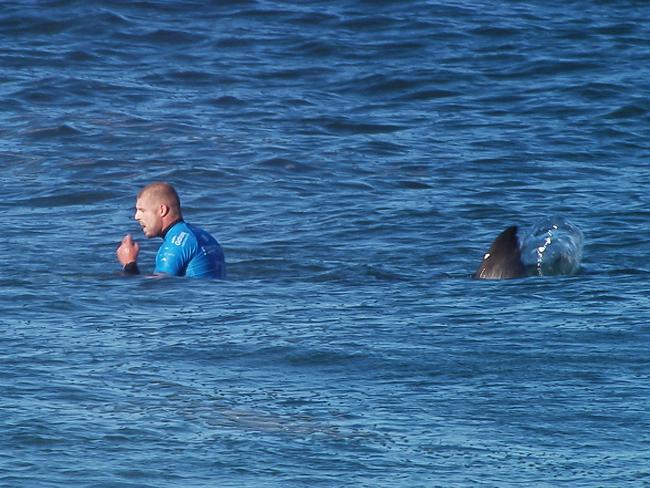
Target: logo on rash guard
[[180, 239]]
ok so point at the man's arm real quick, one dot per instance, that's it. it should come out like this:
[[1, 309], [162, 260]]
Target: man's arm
[[127, 255], [169, 261], [175, 254]]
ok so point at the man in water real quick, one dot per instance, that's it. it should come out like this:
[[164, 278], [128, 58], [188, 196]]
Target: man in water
[[186, 250]]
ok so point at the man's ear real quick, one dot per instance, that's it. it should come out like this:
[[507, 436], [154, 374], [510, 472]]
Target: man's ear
[[163, 209]]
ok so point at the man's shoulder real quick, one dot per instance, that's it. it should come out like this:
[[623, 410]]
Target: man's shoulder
[[200, 233], [180, 235]]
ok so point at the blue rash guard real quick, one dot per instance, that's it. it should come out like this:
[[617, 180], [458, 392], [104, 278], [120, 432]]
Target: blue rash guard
[[190, 251]]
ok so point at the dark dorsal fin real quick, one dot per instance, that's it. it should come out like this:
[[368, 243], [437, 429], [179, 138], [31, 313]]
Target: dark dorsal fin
[[503, 260]]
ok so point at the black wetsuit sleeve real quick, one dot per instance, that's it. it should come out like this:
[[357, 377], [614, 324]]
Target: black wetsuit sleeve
[[131, 269]]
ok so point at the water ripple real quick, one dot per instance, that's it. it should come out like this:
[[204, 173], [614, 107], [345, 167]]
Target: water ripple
[[355, 161]]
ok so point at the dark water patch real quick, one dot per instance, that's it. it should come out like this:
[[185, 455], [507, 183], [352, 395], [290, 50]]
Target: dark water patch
[[355, 161], [617, 29], [496, 32], [192, 77], [227, 101], [318, 48], [73, 91], [82, 56], [384, 148], [346, 125], [546, 67], [361, 23], [301, 74], [413, 185], [333, 359], [268, 13], [67, 199], [382, 275], [597, 92], [383, 84], [628, 111], [287, 165], [171, 38], [61, 131], [235, 42], [430, 94], [181, 77], [33, 25], [31, 59]]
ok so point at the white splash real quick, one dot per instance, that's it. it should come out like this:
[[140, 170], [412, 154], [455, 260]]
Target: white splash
[[542, 249], [552, 246]]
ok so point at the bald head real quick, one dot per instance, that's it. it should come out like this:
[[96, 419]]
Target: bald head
[[161, 192], [157, 207]]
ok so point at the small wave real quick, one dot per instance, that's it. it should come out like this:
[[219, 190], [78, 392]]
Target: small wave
[[35, 25], [330, 358], [67, 199], [191, 76], [295, 73], [286, 165], [362, 22], [618, 29], [596, 91], [628, 112], [496, 32], [545, 67], [233, 42], [427, 94], [79, 56], [382, 85], [184, 77], [386, 148], [413, 185], [164, 36], [63, 130], [344, 125], [227, 101], [317, 48]]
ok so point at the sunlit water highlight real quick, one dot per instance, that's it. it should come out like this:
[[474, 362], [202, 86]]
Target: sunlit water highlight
[[355, 160]]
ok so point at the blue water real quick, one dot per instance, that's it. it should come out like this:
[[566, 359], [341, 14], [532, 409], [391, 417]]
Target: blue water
[[355, 160]]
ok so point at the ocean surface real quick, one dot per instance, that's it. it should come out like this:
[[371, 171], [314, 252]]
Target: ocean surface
[[355, 159]]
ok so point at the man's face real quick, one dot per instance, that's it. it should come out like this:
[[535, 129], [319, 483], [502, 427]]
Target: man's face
[[148, 215]]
